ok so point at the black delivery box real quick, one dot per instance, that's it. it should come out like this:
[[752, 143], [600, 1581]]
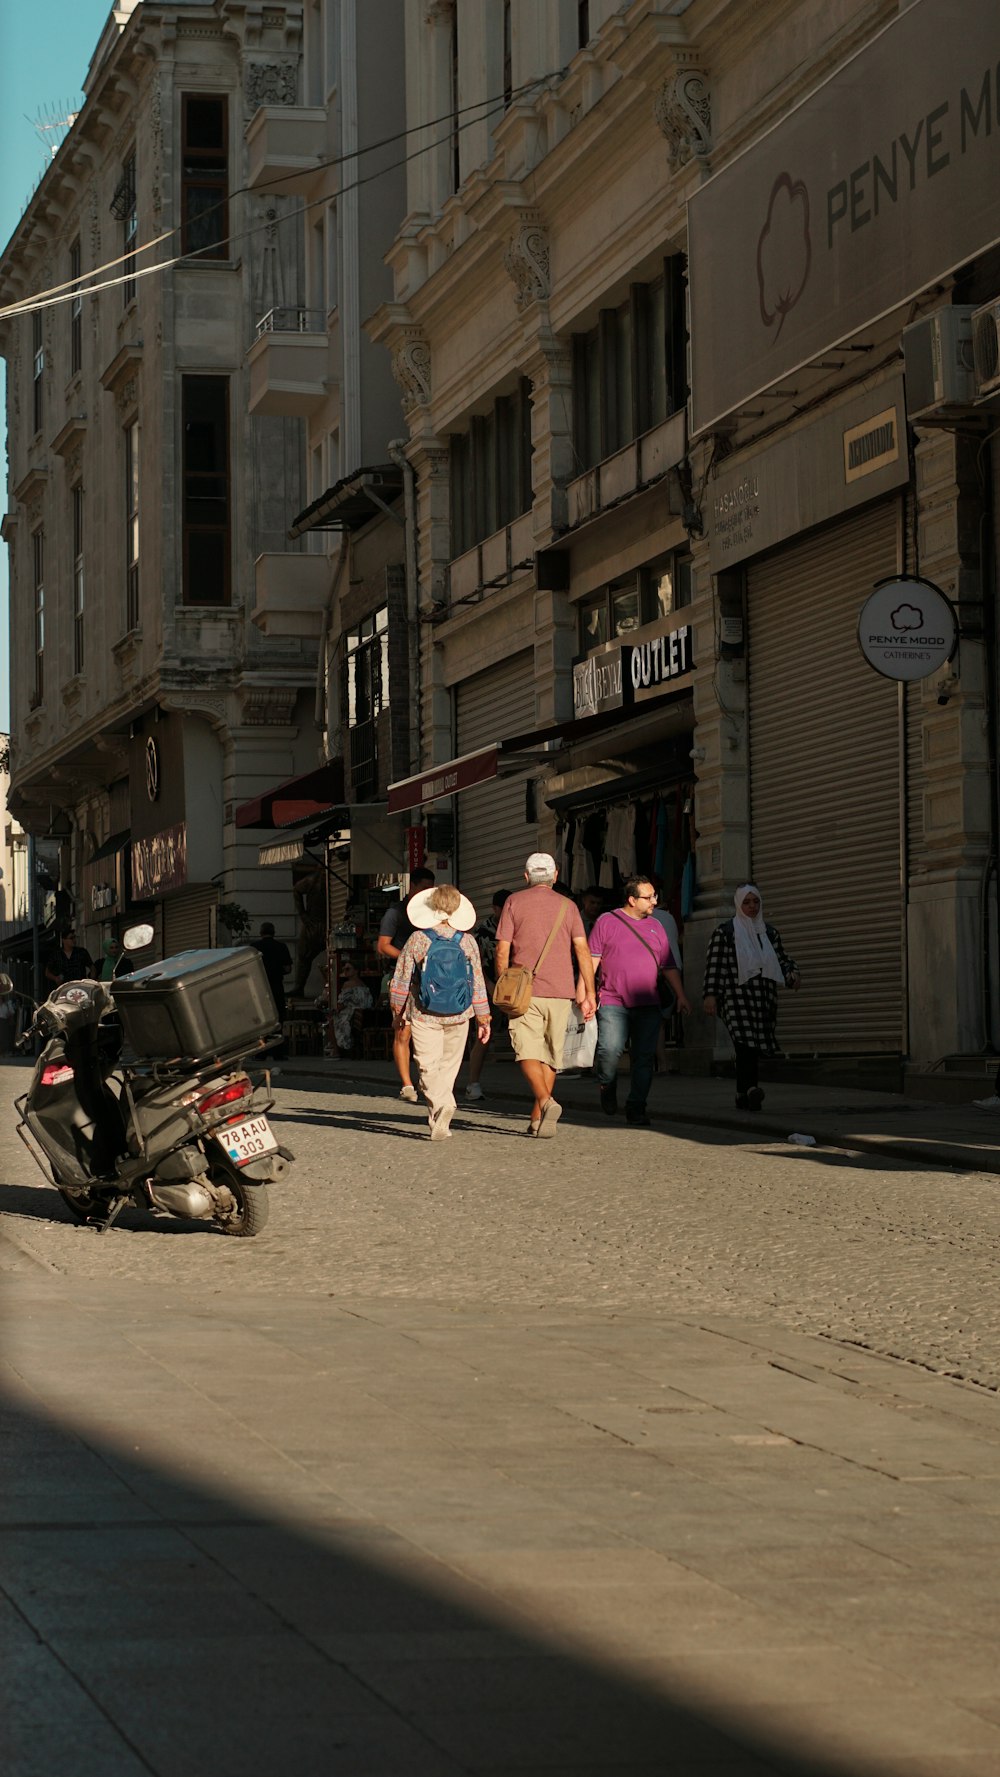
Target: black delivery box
[[196, 1004]]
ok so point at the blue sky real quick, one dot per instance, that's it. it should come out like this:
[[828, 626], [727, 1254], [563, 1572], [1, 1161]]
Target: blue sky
[[45, 50]]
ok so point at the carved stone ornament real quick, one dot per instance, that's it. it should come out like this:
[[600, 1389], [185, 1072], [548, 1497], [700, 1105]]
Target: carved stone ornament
[[271, 83], [156, 130], [74, 465], [683, 113], [411, 367], [127, 395], [526, 258], [269, 706]]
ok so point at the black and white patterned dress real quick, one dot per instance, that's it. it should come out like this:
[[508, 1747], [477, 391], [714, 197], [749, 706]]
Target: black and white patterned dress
[[750, 1012]]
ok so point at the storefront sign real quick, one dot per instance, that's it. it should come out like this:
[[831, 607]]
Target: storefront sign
[[597, 683], [159, 863], [444, 780], [654, 663], [875, 187], [907, 629], [841, 459], [628, 672]]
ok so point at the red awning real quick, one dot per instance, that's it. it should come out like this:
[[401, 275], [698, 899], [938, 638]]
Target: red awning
[[444, 780], [302, 798]]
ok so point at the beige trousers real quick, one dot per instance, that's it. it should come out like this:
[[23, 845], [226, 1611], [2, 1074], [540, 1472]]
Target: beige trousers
[[439, 1049]]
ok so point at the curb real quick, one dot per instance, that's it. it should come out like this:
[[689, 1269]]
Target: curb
[[938, 1155]]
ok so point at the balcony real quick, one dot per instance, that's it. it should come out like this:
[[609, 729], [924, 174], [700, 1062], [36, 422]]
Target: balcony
[[286, 145], [292, 591], [288, 363]]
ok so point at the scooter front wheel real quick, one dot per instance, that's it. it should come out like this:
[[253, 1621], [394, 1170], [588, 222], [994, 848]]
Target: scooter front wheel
[[251, 1206]]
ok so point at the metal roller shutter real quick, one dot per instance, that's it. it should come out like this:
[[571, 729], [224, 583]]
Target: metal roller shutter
[[826, 775], [493, 836], [187, 920]]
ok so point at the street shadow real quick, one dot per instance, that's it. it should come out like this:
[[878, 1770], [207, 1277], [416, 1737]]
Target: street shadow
[[151, 1625], [39, 1203]]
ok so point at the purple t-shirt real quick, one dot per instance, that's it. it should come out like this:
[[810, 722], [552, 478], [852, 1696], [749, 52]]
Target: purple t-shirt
[[628, 972]]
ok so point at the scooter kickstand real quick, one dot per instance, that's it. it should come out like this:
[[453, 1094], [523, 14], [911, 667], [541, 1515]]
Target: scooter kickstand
[[113, 1214]]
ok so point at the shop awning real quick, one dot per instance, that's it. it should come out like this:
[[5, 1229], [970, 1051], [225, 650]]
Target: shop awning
[[305, 840], [317, 792], [116, 843], [505, 757], [353, 501]]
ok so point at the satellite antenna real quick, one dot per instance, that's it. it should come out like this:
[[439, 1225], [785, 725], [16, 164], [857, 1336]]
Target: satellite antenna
[[52, 125]]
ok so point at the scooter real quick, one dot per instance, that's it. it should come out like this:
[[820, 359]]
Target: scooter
[[176, 1135]]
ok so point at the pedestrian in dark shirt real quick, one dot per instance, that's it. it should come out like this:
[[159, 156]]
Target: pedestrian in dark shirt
[[68, 962], [277, 960]]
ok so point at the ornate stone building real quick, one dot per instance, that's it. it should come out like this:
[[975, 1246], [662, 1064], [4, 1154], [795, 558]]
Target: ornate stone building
[[146, 702], [666, 320]]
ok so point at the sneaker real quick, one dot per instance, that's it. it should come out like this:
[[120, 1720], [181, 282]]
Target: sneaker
[[638, 1119], [409, 1093], [988, 1104], [532, 1129], [474, 1092], [440, 1126], [609, 1099], [755, 1098]]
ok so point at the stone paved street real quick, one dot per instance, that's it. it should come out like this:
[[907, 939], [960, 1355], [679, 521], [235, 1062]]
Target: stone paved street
[[636, 1451]]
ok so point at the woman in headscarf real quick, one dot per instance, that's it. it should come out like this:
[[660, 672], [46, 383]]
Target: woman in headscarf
[[745, 966]]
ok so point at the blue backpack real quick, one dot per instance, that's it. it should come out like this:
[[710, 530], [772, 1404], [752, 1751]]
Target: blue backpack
[[445, 977]]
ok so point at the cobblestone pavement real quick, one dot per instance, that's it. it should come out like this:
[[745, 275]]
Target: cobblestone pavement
[[902, 1262]]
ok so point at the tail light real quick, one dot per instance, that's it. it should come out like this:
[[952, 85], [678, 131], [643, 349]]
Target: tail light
[[234, 1093], [56, 1073]]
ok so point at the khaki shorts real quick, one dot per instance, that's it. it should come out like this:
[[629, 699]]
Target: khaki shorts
[[539, 1032]]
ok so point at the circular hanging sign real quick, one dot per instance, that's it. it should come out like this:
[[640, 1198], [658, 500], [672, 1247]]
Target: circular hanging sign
[[907, 629], [152, 769]]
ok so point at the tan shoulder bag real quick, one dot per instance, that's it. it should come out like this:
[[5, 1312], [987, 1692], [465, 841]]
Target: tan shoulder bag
[[513, 990]]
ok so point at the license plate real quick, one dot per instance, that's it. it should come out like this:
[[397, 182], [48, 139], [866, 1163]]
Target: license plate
[[244, 1141]]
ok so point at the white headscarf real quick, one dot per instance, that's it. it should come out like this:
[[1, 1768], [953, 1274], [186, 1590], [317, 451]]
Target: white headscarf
[[754, 950]]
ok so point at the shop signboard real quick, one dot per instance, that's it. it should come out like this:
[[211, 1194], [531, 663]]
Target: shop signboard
[[877, 186], [907, 629], [159, 863], [626, 673]]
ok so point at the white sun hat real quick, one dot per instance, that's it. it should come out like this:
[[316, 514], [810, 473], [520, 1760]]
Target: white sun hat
[[423, 916]]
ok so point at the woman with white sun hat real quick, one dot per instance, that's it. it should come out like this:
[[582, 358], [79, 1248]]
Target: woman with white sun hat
[[437, 987]]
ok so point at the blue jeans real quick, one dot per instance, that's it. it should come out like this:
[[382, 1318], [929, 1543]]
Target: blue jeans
[[638, 1025]]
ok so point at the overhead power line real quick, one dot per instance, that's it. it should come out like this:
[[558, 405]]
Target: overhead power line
[[94, 281]]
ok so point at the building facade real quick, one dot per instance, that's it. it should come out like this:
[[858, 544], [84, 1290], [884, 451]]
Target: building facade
[[663, 458], [146, 703]]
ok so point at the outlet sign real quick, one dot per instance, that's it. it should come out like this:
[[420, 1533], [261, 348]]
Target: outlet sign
[[907, 629]]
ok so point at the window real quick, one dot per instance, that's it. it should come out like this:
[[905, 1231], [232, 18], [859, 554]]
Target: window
[[75, 312], [37, 370], [582, 23], [508, 56], [206, 490], [38, 567], [367, 671], [660, 588], [491, 469], [132, 526], [666, 585], [78, 579], [628, 371], [126, 208], [204, 176]]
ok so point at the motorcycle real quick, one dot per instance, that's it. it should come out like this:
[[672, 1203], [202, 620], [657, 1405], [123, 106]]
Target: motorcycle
[[112, 1117]]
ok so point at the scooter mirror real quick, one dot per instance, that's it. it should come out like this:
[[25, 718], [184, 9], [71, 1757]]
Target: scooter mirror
[[137, 937], [6, 985]]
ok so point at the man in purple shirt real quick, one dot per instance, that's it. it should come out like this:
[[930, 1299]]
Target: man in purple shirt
[[631, 950]]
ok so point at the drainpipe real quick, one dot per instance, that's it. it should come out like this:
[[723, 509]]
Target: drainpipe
[[321, 706], [397, 454]]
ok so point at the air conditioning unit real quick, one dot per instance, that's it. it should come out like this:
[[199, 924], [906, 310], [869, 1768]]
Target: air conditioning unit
[[986, 350], [938, 367]]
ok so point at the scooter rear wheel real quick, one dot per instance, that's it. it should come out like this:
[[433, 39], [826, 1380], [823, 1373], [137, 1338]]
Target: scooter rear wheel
[[251, 1207]]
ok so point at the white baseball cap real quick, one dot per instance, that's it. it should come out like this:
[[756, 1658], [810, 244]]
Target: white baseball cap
[[540, 863]]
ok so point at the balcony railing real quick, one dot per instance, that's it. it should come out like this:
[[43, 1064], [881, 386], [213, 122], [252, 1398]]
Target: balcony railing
[[291, 320]]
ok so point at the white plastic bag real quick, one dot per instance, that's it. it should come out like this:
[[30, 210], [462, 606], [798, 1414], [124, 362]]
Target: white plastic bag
[[580, 1045]]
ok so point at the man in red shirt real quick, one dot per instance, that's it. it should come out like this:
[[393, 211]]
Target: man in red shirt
[[537, 1035]]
